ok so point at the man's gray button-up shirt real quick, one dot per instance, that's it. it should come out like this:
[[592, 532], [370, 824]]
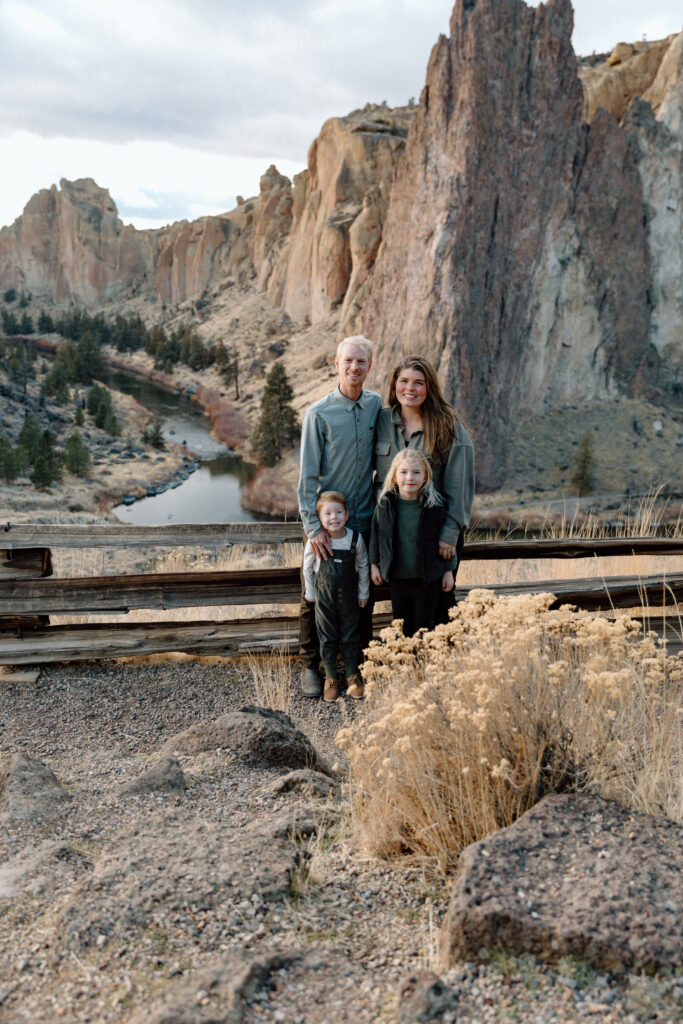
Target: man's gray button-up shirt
[[337, 447]]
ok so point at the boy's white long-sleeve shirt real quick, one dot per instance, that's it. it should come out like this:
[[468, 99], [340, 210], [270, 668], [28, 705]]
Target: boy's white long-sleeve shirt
[[312, 564]]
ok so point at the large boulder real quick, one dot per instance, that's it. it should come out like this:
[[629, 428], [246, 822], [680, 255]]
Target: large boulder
[[257, 736], [186, 875], [574, 876], [29, 790]]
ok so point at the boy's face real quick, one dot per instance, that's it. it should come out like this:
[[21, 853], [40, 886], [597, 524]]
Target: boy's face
[[333, 517]]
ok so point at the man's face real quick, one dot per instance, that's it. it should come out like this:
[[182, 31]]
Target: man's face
[[353, 366]]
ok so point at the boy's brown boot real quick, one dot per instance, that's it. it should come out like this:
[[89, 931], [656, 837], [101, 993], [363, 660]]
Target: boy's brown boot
[[355, 687], [330, 689]]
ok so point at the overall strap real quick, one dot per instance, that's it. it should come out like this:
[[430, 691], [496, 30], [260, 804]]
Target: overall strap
[[354, 542]]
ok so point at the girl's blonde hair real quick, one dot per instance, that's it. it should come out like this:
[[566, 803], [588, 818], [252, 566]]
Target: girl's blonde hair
[[428, 491]]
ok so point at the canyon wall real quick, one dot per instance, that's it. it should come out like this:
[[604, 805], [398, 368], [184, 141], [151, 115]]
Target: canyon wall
[[522, 226], [531, 262]]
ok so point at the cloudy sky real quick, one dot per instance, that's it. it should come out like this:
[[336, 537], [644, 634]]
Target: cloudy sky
[[177, 106]]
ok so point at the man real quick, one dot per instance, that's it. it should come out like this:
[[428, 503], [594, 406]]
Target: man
[[337, 450]]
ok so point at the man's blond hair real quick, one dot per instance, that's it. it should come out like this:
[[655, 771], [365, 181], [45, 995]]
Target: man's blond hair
[[360, 341]]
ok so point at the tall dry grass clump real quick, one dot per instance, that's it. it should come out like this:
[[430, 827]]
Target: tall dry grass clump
[[470, 725]]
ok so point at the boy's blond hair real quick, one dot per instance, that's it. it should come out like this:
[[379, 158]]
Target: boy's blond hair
[[428, 490], [325, 496]]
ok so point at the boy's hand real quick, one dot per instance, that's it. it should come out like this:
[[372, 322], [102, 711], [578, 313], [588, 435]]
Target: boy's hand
[[376, 575], [447, 581], [362, 601]]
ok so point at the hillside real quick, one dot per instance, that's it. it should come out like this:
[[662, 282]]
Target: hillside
[[521, 226]]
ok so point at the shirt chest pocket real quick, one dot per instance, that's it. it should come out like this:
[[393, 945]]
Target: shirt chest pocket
[[383, 456]]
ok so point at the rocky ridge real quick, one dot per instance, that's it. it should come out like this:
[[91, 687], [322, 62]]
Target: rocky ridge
[[537, 262]]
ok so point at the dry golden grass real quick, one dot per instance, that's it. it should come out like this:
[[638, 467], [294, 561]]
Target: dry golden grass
[[273, 681], [466, 727]]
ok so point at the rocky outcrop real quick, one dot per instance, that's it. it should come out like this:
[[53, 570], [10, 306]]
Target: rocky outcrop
[[515, 253], [630, 70], [29, 790], [70, 246], [574, 876], [521, 228], [256, 736], [350, 168]]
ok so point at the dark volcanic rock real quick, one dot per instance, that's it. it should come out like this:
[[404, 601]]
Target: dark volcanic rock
[[29, 789], [229, 984], [575, 875], [422, 997], [514, 254], [257, 736], [166, 776], [307, 781]]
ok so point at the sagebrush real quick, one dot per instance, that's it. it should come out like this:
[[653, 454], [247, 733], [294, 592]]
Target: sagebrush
[[466, 727]]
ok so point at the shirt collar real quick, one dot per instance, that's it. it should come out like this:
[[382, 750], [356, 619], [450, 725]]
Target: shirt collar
[[396, 418], [349, 402]]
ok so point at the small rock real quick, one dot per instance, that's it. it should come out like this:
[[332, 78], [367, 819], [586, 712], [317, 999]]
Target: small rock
[[423, 997]]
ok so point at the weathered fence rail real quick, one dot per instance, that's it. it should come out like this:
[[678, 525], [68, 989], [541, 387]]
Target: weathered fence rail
[[28, 596]]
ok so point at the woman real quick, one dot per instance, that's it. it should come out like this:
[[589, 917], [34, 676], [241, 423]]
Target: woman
[[418, 416]]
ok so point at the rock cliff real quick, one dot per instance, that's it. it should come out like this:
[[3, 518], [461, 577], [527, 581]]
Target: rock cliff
[[522, 226], [528, 262]]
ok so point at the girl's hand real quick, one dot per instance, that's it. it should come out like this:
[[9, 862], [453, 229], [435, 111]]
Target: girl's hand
[[376, 575], [447, 581], [446, 551], [362, 601]]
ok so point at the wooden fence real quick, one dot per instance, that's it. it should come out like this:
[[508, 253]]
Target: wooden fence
[[28, 594]]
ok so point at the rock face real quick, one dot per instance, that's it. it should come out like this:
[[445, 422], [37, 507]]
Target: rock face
[[69, 245], [521, 228], [516, 258], [574, 876]]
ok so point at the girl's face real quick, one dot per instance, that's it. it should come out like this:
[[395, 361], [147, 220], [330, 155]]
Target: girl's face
[[411, 388], [333, 517], [410, 479]]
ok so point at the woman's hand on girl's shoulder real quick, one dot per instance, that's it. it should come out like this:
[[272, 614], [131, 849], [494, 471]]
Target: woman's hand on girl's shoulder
[[447, 580], [376, 575]]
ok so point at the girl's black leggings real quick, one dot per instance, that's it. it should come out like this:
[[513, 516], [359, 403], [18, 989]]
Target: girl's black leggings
[[415, 603]]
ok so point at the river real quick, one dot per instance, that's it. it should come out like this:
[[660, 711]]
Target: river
[[211, 494]]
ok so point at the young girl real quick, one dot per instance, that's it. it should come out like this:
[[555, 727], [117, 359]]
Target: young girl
[[339, 586], [404, 542]]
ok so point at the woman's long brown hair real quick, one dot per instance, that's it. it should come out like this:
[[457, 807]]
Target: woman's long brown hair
[[438, 416]]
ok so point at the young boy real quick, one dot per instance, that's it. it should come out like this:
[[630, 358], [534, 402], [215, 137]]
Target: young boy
[[339, 586]]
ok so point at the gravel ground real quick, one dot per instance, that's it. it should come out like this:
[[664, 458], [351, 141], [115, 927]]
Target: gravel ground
[[353, 929]]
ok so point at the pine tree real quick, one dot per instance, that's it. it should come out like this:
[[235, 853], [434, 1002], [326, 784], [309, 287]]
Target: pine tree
[[77, 456], [79, 418], [41, 477], [583, 473], [278, 425], [10, 460]]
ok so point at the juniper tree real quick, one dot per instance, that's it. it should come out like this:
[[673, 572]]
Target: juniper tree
[[77, 457], [583, 472], [278, 424]]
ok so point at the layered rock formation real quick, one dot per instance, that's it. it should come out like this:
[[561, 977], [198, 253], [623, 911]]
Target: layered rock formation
[[522, 227], [293, 240], [516, 253]]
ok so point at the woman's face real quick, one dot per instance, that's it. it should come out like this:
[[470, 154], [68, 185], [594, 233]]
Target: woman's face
[[411, 388]]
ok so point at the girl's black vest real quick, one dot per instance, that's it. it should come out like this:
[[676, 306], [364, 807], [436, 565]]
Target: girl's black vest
[[431, 521]]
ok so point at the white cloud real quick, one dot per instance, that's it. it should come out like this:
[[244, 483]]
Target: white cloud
[[177, 105]]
